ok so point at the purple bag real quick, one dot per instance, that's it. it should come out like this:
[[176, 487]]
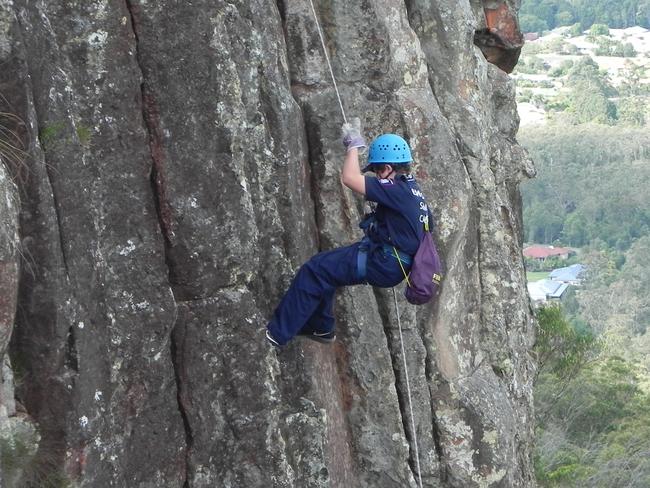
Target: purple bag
[[423, 281]]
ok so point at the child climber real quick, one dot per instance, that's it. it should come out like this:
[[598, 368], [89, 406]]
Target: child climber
[[382, 258]]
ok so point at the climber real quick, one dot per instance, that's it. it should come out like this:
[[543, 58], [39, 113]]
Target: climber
[[392, 234]]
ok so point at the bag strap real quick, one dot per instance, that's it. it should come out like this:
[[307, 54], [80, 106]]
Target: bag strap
[[408, 283]]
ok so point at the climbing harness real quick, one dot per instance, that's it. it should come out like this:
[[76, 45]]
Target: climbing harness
[[363, 254], [368, 226], [362, 258]]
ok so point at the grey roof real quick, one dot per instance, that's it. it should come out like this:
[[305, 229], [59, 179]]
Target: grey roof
[[543, 289], [570, 273]]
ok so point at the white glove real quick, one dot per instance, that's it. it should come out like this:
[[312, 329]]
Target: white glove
[[352, 137]]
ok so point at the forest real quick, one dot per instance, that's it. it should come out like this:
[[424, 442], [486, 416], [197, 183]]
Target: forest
[[591, 159], [592, 155], [542, 15], [592, 390], [592, 396], [592, 185]]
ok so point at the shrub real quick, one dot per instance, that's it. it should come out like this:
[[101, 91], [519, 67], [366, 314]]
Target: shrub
[[599, 30], [524, 96], [561, 70], [629, 51], [575, 30]]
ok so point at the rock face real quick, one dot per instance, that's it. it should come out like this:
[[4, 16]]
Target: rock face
[[183, 162], [9, 246], [10, 425]]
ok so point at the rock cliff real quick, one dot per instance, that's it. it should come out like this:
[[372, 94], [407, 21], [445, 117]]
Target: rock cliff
[[183, 161]]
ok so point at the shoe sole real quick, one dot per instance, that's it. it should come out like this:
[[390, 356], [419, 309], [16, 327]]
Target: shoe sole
[[272, 341], [322, 340]]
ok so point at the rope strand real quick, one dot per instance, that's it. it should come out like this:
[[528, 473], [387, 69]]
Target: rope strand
[[408, 392], [327, 58]]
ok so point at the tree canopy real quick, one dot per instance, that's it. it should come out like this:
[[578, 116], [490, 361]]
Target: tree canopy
[[591, 394], [591, 185], [539, 15]]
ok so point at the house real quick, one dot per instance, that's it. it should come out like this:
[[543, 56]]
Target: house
[[571, 274], [540, 253], [543, 291]]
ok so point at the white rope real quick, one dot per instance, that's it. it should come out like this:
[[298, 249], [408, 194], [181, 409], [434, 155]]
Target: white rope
[[327, 58], [408, 391]]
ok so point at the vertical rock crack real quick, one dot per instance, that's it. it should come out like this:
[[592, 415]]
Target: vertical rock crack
[[57, 213], [151, 120], [313, 180], [178, 359], [400, 387]]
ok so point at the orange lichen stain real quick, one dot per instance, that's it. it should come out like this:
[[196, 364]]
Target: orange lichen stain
[[503, 22], [501, 40]]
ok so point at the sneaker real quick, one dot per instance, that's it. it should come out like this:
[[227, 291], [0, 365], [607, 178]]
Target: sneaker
[[323, 337], [272, 341]]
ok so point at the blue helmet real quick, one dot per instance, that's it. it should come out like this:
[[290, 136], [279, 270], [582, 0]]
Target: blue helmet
[[388, 149]]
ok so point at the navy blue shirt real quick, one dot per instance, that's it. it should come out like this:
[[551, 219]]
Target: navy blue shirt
[[400, 213]]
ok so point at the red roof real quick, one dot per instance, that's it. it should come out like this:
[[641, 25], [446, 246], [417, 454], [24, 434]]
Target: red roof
[[541, 252]]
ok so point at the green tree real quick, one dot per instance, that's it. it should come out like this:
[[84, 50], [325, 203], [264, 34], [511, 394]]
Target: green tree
[[564, 18], [561, 348], [586, 69], [575, 230], [628, 50], [589, 92], [595, 431], [634, 275], [536, 64], [599, 30], [599, 397], [632, 84], [615, 13], [562, 69], [642, 16], [575, 30], [632, 111], [624, 460], [588, 103], [530, 23]]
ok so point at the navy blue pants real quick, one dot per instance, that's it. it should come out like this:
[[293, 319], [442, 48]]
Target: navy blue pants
[[308, 303]]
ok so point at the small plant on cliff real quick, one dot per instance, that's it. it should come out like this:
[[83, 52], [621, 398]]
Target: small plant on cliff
[[17, 449], [27, 460], [50, 133], [11, 146], [84, 134]]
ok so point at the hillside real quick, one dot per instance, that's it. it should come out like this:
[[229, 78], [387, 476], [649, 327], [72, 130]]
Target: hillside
[[183, 161], [584, 103], [544, 66]]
